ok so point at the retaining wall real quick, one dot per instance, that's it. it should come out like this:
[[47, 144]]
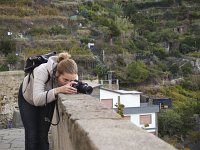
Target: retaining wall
[[85, 124]]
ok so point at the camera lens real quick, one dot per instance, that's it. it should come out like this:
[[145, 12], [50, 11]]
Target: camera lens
[[88, 90], [83, 88]]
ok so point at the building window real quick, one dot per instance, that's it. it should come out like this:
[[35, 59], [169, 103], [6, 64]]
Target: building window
[[145, 119]]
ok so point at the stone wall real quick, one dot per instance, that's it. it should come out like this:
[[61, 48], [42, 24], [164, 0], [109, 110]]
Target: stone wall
[[9, 86], [85, 124]]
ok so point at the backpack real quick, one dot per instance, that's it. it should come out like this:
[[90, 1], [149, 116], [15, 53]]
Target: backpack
[[34, 61]]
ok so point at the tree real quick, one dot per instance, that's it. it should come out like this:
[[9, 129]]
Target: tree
[[11, 59], [137, 72], [4, 67], [186, 111], [174, 69], [129, 9], [101, 71], [169, 123], [115, 31], [187, 69], [158, 50], [117, 9], [7, 46]]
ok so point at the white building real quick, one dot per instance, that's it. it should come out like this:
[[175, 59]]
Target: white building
[[143, 115], [90, 45]]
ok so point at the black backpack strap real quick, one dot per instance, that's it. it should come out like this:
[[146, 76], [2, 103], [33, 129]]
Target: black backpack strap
[[46, 98], [29, 79], [57, 112]]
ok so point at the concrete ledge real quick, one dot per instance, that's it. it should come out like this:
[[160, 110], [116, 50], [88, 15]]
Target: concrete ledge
[[87, 125]]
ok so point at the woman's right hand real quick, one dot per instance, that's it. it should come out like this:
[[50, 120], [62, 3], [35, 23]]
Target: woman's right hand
[[65, 89]]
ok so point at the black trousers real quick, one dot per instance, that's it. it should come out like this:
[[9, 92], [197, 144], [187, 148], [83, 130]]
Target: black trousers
[[36, 128]]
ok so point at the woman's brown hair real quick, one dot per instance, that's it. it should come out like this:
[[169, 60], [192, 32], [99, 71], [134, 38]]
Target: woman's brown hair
[[65, 64]]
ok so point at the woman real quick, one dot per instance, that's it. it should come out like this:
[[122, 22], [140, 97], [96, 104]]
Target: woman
[[33, 95]]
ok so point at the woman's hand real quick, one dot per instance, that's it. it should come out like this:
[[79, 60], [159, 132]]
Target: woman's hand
[[66, 89]]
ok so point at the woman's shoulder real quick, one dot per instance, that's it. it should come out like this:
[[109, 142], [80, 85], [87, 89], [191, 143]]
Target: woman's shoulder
[[41, 69], [51, 63]]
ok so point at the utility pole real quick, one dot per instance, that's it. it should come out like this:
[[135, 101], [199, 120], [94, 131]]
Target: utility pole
[[103, 55]]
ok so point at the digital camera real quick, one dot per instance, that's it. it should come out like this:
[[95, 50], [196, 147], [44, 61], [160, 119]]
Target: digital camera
[[82, 87]]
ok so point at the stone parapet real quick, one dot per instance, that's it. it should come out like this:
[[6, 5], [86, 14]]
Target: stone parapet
[[85, 124]]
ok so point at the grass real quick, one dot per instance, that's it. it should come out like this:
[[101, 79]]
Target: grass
[[194, 54]]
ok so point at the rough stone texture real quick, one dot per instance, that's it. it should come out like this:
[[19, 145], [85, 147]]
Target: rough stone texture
[[9, 86], [12, 139], [87, 125]]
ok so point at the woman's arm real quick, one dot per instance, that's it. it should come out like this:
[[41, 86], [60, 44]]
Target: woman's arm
[[39, 89]]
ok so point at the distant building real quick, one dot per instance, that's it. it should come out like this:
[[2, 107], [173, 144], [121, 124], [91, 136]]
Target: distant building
[[90, 45], [181, 29], [163, 103], [112, 82], [144, 115], [9, 33]]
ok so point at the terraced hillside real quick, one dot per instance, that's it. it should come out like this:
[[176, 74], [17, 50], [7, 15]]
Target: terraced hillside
[[162, 34], [28, 28]]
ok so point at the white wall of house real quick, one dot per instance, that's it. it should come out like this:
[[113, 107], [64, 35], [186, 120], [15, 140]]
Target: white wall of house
[[135, 118], [129, 100]]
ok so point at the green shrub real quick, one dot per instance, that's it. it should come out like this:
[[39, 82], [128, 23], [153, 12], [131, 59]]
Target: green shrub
[[194, 54], [170, 123], [35, 51], [55, 30], [137, 72], [146, 5], [158, 50], [48, 11], [76, 51], [174, 69], [187, 69], [194, 15], [115, 49], [4, 67], [100, 70], [7, 45], [190, 44], [191, 83], [37, 31], [12, 59]]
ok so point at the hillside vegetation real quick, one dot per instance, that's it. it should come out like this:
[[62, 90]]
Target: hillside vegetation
[[161, 35], [147, 43]]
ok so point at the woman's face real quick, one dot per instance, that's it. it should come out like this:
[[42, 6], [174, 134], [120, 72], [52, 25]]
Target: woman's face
[[65, 78]]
